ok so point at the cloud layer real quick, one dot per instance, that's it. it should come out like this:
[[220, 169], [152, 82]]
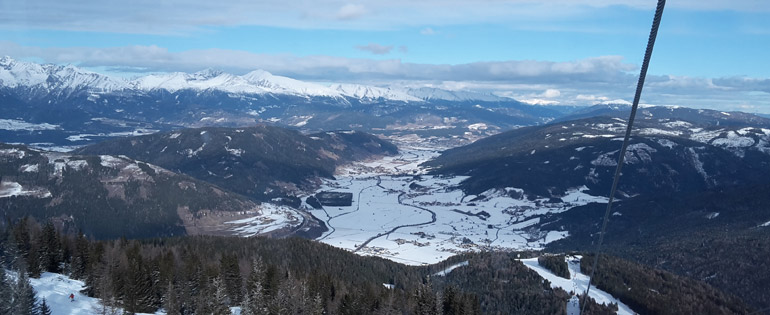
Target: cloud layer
[[180, 16], [578, 82], [376, 49], [154, 58]]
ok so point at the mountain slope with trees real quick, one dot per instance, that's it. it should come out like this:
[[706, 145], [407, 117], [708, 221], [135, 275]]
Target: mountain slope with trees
[[208, 274], [106, 196], [663, 156], [717, 236], [262, 162]]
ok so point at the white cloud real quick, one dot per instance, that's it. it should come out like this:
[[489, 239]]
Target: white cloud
[[551, 93], [539, 101], [155, 58], [182, 16], [351, 12], [616, 102], [427, 31], [590, 98], [376, 49]]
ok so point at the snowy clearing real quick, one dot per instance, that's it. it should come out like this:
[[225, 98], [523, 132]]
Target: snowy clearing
[[10, 189], [56, 288], [270, 218], [16, 125]]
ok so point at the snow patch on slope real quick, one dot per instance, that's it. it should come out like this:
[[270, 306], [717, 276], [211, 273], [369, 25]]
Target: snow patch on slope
[[450, 268], [10, 189], [15, 125], [271, 218]]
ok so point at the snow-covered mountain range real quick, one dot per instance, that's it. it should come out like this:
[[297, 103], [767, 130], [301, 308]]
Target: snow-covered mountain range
[[14, 74], [50, 77]]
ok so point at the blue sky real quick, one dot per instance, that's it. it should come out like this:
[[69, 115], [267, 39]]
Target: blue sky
[[709, 53]]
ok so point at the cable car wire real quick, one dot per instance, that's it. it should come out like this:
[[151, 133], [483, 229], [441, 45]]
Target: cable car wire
[[621, 158]]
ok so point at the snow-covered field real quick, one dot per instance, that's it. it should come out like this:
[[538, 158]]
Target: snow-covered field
[[402, 214], [271, 217], [577, 282], [9, 189], [13, 124]]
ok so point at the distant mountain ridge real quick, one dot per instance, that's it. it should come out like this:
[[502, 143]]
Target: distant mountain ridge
[[19, 74], [664, 155], [85, 106], [692, 115]]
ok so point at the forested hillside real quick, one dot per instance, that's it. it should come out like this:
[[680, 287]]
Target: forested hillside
[[261, 162], [107, 196], [717, 236], [208, 274]]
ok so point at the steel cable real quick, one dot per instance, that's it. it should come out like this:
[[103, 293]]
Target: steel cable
[[621, 158]]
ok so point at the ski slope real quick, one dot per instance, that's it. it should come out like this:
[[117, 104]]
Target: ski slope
[[578, 282]]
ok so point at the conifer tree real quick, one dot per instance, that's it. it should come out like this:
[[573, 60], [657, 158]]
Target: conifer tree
[[231, 275], [254, 303], [50, 252], [282, 301], [450, 302], [44, 309], [6, 292], [257, 274], [426, 300], [138, 293], [24, 296], [349, 305], [171, 301], [79, 264], [218, 301]]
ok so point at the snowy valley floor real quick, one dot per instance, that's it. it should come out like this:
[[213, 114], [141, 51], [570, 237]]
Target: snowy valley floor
[[402, 214]]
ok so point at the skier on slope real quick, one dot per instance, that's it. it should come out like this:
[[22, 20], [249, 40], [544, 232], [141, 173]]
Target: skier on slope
[[72, 297]]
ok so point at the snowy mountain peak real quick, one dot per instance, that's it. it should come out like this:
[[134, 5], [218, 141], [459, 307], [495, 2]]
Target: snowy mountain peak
[[51, 78], [5, 61], [203, 80], [257, 75], [286, 85], [207, 73], [365, 92], [14, 73]]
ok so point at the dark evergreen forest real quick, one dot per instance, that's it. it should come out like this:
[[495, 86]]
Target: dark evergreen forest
[[209, 274]]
